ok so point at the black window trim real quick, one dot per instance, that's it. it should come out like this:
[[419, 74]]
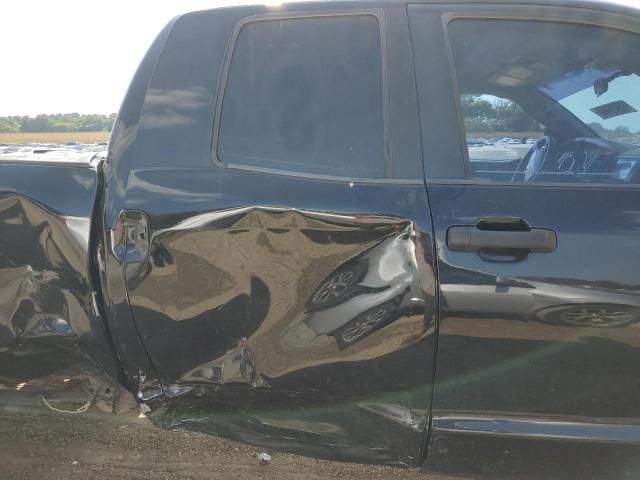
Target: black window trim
[[224, 76], [558, 14]]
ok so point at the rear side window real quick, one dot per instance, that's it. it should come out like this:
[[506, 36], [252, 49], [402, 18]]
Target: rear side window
[[305, 95]]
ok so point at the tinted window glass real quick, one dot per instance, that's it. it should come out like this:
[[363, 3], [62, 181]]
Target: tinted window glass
[[306, 95], [548, 101], [499, 135]]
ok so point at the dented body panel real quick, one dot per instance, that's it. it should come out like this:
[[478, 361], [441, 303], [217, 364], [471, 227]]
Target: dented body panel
[[313, 310], [225, 307], [303, 312], [49, 319]]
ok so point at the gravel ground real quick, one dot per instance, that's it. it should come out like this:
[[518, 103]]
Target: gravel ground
[[36, 443]]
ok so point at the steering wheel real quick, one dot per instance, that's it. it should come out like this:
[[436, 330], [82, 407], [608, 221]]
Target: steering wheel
[[537, 157]]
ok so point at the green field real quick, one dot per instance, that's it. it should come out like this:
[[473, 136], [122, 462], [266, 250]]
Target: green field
[[54, 137]]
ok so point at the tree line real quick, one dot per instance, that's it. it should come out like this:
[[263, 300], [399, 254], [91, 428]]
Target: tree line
[[60, 122], [501, 115]]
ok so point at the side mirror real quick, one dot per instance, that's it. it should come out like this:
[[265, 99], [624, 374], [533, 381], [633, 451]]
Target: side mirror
[[600, 86]]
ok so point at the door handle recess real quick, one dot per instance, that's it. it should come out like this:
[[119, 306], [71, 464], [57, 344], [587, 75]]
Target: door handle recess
[[472, 239]]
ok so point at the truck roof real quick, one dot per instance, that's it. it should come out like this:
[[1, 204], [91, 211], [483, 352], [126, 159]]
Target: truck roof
[[277, 6]]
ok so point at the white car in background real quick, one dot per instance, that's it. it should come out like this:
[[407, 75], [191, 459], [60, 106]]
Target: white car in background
[[368, 292]]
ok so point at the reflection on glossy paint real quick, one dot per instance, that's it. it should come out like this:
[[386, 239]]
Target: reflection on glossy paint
[[554, 301], [415, 419], [546, 342], [302, 308], [383, 275], [531, 332], [238, 365], [58, 288], [48, 320], [171, 108], [47, 325], [368, 292], [575, 428]]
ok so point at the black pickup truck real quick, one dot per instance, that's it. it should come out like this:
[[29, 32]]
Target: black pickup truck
[[357, 230]]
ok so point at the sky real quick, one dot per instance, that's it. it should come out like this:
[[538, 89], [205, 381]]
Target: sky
[[79, 55]]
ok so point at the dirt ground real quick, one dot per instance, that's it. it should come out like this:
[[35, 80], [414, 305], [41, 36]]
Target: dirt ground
[[38, 444]]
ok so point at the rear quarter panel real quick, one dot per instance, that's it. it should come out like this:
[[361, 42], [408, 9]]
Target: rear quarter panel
[[46, 296]]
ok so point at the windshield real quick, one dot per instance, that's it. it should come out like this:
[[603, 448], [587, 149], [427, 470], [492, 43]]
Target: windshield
[[612, 114]]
